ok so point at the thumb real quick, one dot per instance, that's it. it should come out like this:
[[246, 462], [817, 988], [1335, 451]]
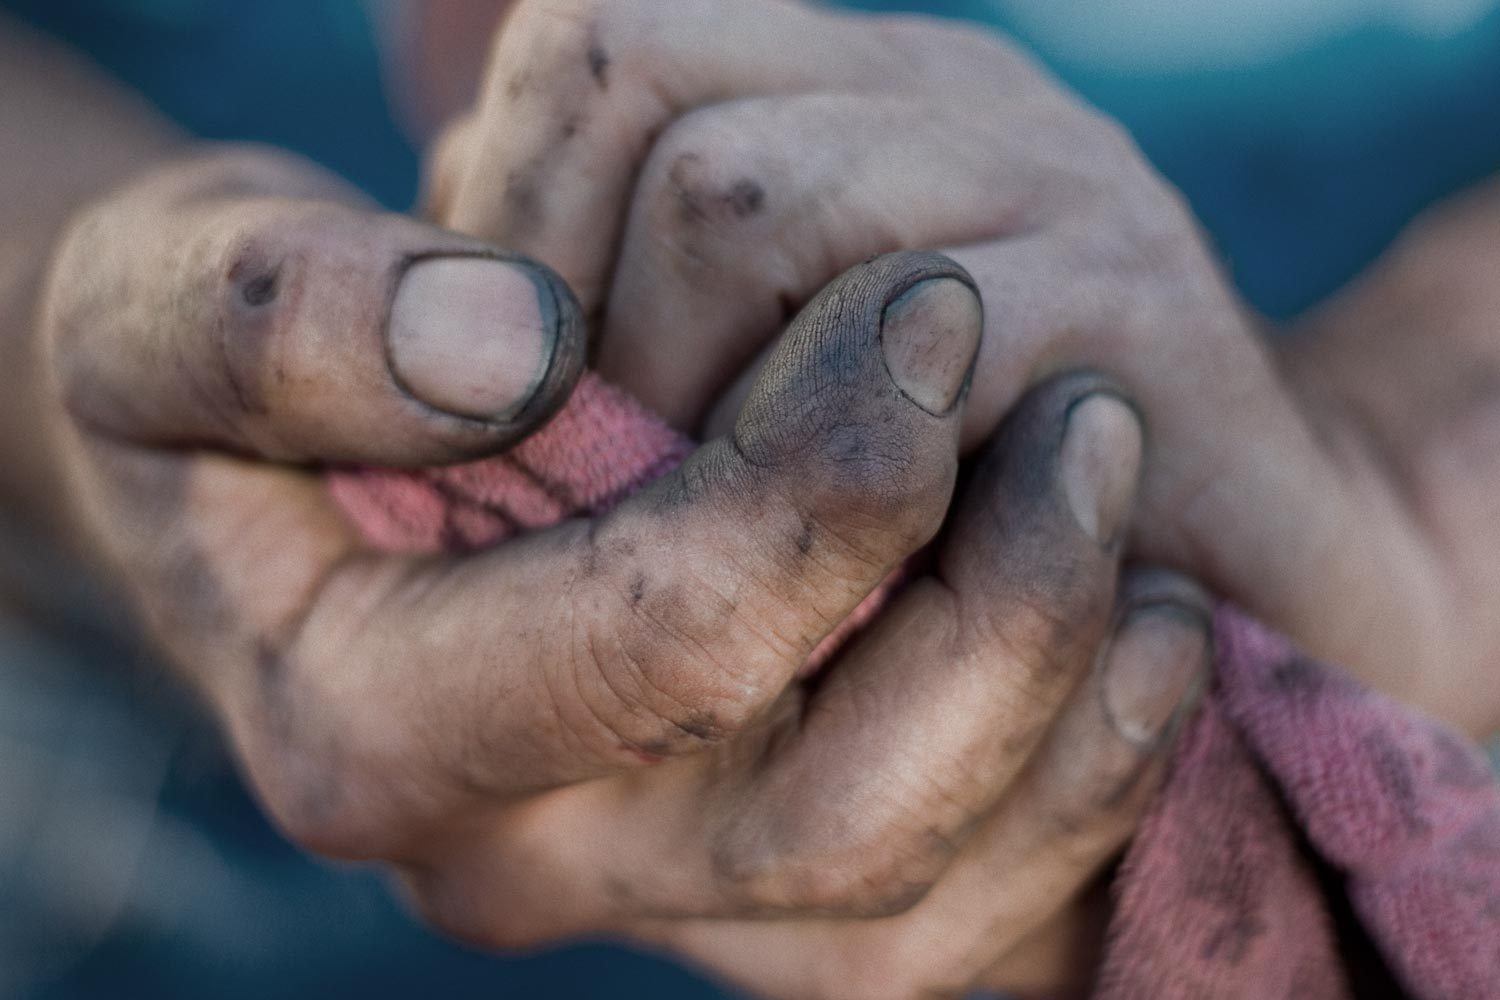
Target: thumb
[[244, 301]]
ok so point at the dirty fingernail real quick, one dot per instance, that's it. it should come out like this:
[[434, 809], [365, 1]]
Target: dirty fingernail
[[1100, 463], [472, 336], [1157, 666], [930, 335]]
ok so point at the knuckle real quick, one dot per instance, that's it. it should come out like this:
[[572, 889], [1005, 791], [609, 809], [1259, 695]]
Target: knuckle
[[703, 182], [653, 670], [648, 699], [586, 40], [245, 273], [1047, 638], [1102, 807]]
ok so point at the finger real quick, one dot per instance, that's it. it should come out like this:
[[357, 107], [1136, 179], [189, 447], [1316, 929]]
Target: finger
[[897, 757], [446, 156], [1083, 797], [1015, 911], [1287, 520], [669, 624], [1248, 493], [578, 90], [1033, 332], [853, 797], [744, 209], [262, 310]]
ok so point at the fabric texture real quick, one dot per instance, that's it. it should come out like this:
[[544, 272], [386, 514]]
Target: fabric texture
[[1313, 836]]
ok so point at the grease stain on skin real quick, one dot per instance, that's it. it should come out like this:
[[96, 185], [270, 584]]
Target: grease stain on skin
[[700, 202], [746, 198], [517, 85], [261, 289], [523, 200], [599, 65], [806, 537], [270, 665], [701, 726], [690, 207]]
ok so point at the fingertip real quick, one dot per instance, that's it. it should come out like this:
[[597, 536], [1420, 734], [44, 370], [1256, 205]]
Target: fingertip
[[1160, 658], [1054, 490]]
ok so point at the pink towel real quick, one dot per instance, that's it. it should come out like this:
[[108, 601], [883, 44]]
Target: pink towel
[[1313, 839]]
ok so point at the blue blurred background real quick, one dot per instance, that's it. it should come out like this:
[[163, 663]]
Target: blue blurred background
[[1305, 133]]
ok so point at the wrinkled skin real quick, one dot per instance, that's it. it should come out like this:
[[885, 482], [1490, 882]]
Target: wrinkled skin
[[596, 728], [214, 329], [763, 147]]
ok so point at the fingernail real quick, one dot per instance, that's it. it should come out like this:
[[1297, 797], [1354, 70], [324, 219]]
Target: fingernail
[[930, 335], [1100, 463], [1156, 667], [472, 336]]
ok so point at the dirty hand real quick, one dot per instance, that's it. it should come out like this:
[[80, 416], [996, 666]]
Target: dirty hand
[[697, 169]]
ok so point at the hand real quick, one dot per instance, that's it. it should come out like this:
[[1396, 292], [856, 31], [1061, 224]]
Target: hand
[[222, 326], [762, 146], [1404, 368], [932, 814]]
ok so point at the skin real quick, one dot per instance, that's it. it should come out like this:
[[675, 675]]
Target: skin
[[760, 150], [946, 858], [473, 722]]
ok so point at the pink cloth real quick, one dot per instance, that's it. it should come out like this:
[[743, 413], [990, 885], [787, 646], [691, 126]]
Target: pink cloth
[[1290, 767], [1306, 819]]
